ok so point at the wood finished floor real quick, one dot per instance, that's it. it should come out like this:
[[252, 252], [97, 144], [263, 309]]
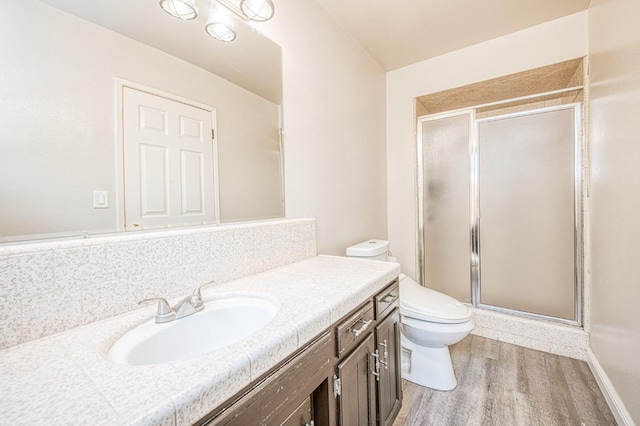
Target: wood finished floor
[[502, 384]]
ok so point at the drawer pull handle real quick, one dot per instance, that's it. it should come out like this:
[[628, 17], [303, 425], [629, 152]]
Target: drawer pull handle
[[365, 324], [389, 298]]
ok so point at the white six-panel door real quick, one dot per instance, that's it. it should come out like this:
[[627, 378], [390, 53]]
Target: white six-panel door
[[168, 162]]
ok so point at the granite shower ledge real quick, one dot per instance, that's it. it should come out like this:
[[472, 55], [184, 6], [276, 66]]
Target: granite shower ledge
[[66, 379]]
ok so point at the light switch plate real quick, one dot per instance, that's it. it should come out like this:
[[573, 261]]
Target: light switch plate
[[100, 199]]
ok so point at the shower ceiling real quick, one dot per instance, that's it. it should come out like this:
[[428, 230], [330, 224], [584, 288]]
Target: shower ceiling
[[400, 33], [545, 79]]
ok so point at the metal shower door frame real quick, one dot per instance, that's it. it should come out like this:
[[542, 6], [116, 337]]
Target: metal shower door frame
[[474, 208], [420, 249]]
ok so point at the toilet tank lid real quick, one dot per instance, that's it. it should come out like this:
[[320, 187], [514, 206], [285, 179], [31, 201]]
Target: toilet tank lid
[[368, 248]]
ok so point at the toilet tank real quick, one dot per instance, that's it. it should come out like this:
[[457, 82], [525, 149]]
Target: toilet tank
[[370, 249]]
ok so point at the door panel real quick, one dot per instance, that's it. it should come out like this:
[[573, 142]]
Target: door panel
[[193, 190], [390, 384], [169, 162], [152, 119], [527, 182], [357, 400], [191, 128], [154, 188], [445, 144]]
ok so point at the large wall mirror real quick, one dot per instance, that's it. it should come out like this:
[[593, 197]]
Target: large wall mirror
[[62, 64]]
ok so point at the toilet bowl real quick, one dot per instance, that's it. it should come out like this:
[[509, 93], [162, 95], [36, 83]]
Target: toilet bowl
[[430, 322]]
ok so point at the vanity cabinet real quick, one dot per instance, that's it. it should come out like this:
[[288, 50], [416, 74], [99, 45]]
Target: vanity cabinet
[[354, 382], [387, 332], [355, 386], [390, 373], [368, 381], [349, 376]]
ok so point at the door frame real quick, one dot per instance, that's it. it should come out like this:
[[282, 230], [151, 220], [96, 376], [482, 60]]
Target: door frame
[[120, 85]]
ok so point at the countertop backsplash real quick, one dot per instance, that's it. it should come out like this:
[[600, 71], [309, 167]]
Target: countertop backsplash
[[49, 287]]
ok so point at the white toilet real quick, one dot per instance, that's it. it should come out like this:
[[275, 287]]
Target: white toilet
[[430, 322]]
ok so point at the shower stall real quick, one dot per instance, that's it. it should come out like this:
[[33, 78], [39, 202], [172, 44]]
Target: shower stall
[[499, 198]]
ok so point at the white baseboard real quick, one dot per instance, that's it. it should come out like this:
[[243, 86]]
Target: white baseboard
[[613, 399]]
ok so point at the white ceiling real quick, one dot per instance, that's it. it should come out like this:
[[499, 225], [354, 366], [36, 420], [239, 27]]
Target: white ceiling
[[397, 33]]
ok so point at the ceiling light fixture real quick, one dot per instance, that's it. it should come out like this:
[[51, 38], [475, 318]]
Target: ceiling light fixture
[[257, 10], [220, 24], [250, 10], [183, 9]]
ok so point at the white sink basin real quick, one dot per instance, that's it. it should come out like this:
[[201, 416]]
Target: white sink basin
[[221, 323]]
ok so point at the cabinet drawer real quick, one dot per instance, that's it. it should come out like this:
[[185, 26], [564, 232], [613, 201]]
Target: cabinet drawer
[[388, 299], [353, 329]]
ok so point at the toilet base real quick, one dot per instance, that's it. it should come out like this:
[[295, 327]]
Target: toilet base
[[429, 367]]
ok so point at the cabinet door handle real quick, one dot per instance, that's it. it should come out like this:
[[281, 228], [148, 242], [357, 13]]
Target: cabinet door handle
[[365, 324], [376, 365], [310, 423], [385, 355]]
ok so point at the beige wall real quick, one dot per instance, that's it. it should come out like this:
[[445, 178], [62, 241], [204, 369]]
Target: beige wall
[[614, 49], [334, 121], [544, 44]]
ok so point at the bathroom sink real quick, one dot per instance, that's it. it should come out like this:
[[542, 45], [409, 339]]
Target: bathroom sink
[[221, 323]]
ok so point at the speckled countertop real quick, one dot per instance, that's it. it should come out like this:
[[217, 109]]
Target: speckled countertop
[[65, 379]]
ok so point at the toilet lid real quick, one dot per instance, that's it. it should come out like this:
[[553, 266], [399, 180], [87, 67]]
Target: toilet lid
[[429, 305]]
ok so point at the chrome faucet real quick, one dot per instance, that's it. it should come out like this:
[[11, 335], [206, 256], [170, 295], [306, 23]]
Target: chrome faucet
[[189, 305]]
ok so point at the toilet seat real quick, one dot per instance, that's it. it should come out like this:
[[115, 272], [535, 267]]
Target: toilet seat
[[429, 326], [425, 304]]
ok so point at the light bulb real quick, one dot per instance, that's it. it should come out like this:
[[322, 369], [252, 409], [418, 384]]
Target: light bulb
[[183, 9], [257, 10], [220, 24]]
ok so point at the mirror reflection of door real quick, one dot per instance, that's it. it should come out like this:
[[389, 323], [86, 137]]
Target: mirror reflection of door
[[169, 162]]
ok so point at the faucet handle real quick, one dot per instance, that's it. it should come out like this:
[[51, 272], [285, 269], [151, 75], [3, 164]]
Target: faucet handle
[[164, 309], [196, 291]]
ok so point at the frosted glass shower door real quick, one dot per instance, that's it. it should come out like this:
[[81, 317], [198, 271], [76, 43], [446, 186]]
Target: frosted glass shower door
[[527, 185], [445, 192]]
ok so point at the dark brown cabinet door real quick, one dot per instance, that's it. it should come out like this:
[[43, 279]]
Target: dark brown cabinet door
[[390, 383], [294, 394], [301, 415], [357, 399]]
